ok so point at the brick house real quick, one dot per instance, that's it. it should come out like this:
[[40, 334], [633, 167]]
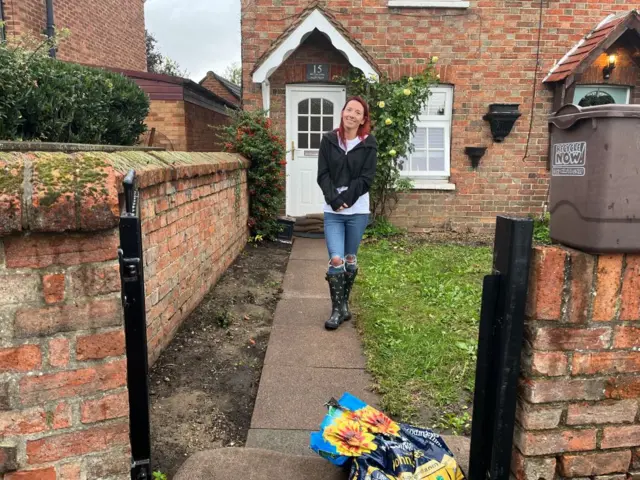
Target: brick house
[[223, 88], [103, 33], [491, 52]]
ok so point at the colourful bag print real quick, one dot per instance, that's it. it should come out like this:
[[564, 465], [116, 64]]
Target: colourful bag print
[[379, 448]]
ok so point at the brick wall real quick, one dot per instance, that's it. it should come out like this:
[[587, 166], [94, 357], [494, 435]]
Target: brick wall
[[168, 118], [578, 400], [106, 33], [212, 83], [63, 397], [488, 52], [200, 126]]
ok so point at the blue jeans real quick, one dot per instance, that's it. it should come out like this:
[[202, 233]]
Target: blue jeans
[[343, 234]]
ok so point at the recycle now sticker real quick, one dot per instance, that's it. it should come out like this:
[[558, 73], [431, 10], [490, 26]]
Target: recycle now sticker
[[569, 159]]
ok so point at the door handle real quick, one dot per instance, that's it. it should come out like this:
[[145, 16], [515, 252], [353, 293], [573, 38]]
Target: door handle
[[293, 150]]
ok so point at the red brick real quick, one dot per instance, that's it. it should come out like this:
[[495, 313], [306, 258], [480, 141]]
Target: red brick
[[61, 418], [619, 437], [582, 265], [70, 471], [572, 338], [101, 345], [595, 463], [97, 439], [602, 412], [39, 474], [94, 280], [608, 287], [605, 362], [630, 305], [623, 387], [525, 468], [106, 408], [22, 422], [626, 337], [59, 352], [561, 390], [86, 381], [546, 283], [53, 286], [551, 364], [65, 318], [20, 359], [535, 418], [43, 250], [552, 442]]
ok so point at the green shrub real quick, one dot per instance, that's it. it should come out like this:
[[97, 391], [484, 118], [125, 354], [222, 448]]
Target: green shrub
[[541, 230], [43, 99], [252, 135]]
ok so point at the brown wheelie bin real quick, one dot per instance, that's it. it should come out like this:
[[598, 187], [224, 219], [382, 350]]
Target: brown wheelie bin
[[595, 178]]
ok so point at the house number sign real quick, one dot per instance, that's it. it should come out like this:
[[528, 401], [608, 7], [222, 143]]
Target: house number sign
[[317, 72]]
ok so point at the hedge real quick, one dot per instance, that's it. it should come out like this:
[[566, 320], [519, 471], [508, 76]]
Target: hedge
[[43, 99]]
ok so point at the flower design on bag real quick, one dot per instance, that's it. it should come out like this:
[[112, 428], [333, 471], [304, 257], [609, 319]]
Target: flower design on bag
[[378, 422], [349, 437]]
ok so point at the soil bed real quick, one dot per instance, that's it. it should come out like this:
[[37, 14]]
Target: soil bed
[[204, 384]]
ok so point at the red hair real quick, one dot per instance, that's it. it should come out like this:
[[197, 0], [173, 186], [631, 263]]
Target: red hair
[[363, 129]]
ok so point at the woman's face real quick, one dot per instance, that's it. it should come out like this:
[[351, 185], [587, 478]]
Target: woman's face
[[353, 115]]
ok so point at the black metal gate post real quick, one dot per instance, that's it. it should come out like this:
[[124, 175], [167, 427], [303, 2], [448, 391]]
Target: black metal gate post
[[499, 348], [135, 327]]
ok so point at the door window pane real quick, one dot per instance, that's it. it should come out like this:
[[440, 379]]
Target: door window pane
[[315, 106], [315, 116]]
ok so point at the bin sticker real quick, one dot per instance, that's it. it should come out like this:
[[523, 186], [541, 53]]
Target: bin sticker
[[569, 159]]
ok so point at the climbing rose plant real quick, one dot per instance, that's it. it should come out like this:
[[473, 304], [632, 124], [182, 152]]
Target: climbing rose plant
[[251, 134], [394, 107]]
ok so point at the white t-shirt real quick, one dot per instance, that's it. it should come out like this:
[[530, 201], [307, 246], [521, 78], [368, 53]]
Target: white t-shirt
[[362, 204]]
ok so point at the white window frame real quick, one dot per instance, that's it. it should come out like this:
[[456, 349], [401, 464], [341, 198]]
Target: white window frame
[[604, 87], [436, 180], [429, 3]]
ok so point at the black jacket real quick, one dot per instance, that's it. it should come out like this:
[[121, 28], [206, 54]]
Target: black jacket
[[355, 170]]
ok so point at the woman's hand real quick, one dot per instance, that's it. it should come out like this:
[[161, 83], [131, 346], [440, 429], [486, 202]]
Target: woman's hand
[[344, 205]]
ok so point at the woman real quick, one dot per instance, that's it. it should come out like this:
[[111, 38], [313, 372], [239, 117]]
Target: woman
[[346, 169]]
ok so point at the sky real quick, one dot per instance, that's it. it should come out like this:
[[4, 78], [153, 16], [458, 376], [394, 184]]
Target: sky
[[200, 35]]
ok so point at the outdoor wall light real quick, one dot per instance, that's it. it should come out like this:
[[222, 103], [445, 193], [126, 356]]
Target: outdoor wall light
[[606, 71], [502, 117], [475, 154]]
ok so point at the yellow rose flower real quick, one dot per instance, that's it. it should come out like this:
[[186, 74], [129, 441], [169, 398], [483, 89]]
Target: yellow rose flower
[[438, 76], [407, 92], [434, 59], [381, 104], [388, 121], [411, 79], [392, 152]]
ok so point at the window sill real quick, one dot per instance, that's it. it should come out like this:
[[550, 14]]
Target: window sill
[[430, 184], [429, 3]]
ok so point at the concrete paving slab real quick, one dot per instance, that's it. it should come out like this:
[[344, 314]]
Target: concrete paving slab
[[314, 346], [293, 442], [302, 311], [256, 464], [309, 249], [294, 397], [305, 279]]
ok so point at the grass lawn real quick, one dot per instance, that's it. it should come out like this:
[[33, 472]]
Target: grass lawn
[[418, 309]]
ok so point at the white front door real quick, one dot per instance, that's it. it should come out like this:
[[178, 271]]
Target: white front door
[[312, 110]]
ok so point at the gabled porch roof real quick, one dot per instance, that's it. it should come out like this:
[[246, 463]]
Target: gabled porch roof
[[311, 18]]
